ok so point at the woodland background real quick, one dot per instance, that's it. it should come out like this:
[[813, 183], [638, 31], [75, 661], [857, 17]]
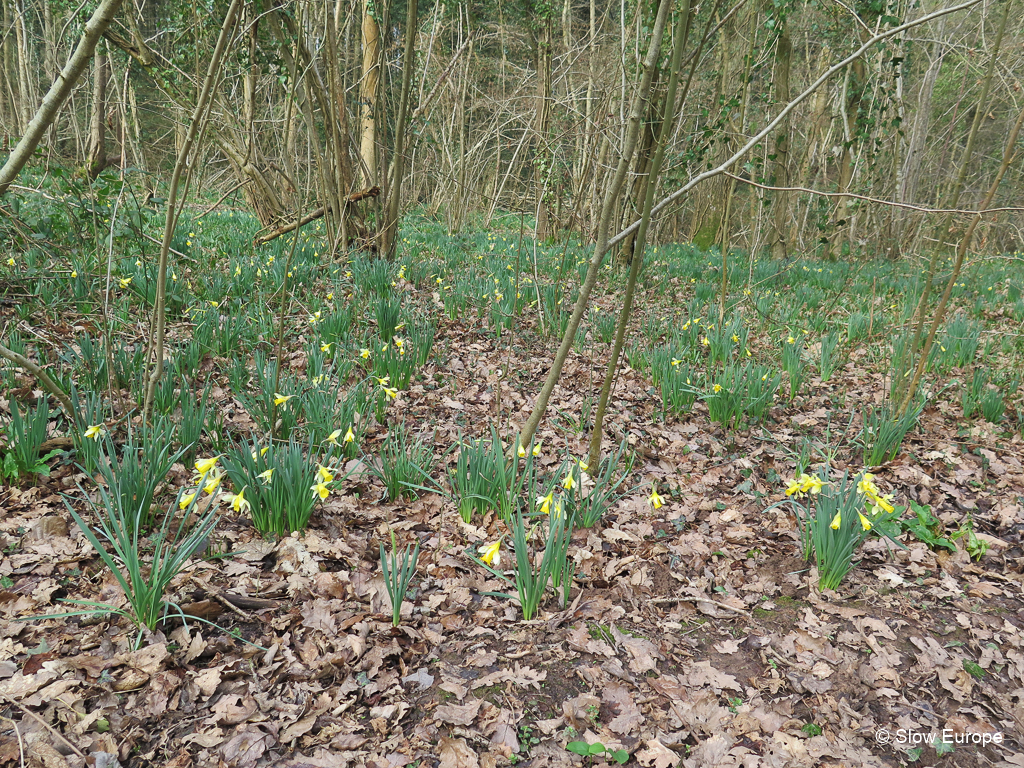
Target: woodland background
[[523, 106]]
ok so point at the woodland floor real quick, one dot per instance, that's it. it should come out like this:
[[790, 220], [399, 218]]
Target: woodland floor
[[695, 634]]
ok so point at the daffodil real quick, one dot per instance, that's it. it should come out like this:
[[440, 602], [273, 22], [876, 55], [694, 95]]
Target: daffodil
[[836, 521], [864, 522], [705, 341], [569, 482], [676, 361], [325, 348], [391, 392], [717, 388], [536, 449], [262, 452], [186, 499], [213, 480], [125, 281], [735, 339], [545, 502], [656, 501], [791, 340], [492, 554], [811, 483], [350, 436], [10, 262], [794, 488], [96, 431], [333, 437], [882, 503], [266, 475], [238, 502], [280, 399], [203, 466], [321, 490], [521, 451], [324, 473]]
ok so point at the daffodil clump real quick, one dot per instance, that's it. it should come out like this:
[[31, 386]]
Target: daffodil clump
[[278, 485], [835, 517]]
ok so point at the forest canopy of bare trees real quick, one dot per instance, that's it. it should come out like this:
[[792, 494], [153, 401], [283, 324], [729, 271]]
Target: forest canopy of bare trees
[[523, 106]]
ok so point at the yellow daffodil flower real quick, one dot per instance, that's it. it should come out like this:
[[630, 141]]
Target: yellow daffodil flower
[[791, 340], [326, 348], [545, 502], [569, 482], [280, 399], [735, 339], [717, 388], [324, 473], [74, 273], [350, 436], [676, 361], [383, 382], [391, 392], [125, 281], [866, 485], [811, 483], [262, 452], [536, 449], [656, 501], [836, 521], [266, 475], [333, 437], [521, 451], [186, 499], [203, 466], [213, 481], [705, 341], [882, 503], [865, 523], [492, 554], [238, 502], [321, 490], [96, 431]]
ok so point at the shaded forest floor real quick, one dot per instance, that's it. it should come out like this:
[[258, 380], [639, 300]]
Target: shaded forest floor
[[694, 635]]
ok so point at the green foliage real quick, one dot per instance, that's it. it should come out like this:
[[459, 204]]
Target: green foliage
[[835, 519], [620, 756], [883, 432], [132, 478], [25, 437], [280, 486], [398, 571], [143, 572], [404, 465]]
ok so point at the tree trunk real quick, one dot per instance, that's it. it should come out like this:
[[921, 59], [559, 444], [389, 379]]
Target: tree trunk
[[780, 199], [543, 157], [369, 88], [98, 123], [394, 191]]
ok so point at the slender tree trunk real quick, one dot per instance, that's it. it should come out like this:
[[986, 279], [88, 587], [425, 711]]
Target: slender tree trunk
[[632, 134], [98, 123], [780, 199], [394, 192], [368, 94], [665, 129], [543, 157]]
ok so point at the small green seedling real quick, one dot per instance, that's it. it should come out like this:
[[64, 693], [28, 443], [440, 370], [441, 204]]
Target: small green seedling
[[620, 756]]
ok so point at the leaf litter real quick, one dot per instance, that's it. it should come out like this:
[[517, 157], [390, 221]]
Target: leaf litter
[[694, 635]]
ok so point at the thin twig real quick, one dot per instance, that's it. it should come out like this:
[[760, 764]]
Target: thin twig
[[692, 599], [51, 729], [890, 203]]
